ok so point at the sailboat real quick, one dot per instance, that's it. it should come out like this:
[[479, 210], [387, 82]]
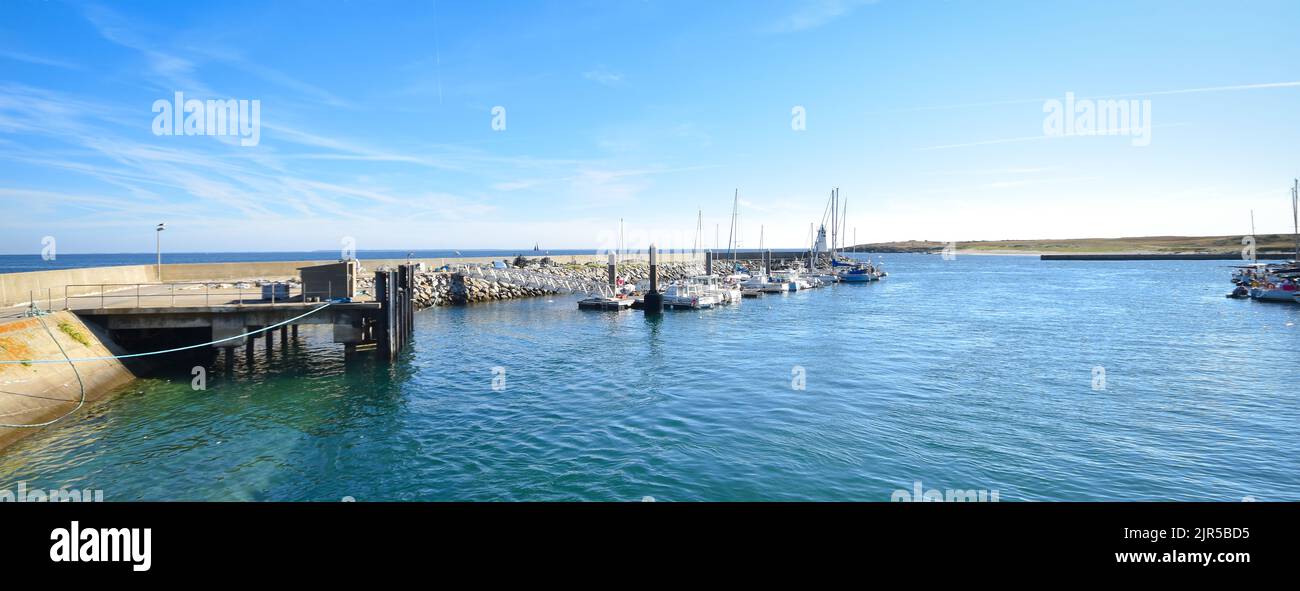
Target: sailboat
[[752, 286], [1276, 283]]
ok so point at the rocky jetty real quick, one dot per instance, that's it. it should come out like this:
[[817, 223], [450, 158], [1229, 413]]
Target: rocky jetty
[[455, 288]]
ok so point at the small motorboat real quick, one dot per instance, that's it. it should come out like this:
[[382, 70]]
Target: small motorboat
[[1284, 290], [1273, 294], [1240, 293], [756, 285], [787, 280], [687, 295], [725, 291]]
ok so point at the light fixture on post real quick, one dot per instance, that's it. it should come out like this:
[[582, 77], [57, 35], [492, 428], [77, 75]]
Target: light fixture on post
[[158, 248]]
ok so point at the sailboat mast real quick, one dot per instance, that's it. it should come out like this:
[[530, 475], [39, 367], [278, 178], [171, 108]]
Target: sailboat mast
[[838, 242], [1253, 256], [844, 220], [811, 246], [835, 218], [1295, 217], [699, 229], [731, 229]]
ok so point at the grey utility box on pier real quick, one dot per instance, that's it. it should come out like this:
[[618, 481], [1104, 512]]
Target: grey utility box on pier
[[329, 281]]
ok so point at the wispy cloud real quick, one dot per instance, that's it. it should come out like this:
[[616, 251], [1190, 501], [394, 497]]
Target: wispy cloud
[[1014, 184], [177, 69], [38, 60], [1028, 138], [1013, 170], [604, 76], [813, 14]]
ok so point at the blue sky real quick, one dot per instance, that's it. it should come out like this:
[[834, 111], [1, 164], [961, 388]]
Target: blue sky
[[376, 121]]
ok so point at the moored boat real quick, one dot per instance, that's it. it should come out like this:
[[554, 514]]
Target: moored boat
[[788, 280], [859, 274], [688, 295], [725, 291], [1274, 293]]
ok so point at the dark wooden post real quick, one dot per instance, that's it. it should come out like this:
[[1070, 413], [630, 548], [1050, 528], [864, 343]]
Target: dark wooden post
[[382, 342], [613, 271], [654, 301]]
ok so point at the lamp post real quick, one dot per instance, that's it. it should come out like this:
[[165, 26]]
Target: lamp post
[[158, 248]]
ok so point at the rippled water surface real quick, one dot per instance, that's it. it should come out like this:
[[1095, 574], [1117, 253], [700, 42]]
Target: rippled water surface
[[969, 374]]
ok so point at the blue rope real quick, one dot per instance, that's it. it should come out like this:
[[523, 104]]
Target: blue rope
[[81, 400], [207, 344]]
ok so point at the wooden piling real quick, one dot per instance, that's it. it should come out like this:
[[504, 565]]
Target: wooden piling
[[395, 292], [654, 301], [613, 271]]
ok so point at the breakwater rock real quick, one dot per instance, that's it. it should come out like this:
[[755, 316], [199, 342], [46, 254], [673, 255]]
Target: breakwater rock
[[445, 288]]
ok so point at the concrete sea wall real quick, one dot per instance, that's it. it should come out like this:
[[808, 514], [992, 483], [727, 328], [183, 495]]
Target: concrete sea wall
[[39, 392]]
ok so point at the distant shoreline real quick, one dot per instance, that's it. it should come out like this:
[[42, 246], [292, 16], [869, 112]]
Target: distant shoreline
[[1271, 245]]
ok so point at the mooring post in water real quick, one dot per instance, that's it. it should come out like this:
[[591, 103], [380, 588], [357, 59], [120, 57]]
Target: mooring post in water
[[654, 301], [394, 291], [408, 303], [394, 315], [613, 271], [708, 262], [382, 341]]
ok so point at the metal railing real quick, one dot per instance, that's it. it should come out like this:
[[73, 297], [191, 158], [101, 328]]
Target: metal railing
[[166, 295]]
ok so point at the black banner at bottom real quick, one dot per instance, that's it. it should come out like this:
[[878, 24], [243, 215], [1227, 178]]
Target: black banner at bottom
[[231, 540]]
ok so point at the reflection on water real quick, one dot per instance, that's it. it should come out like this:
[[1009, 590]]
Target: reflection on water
[[970, 374]]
